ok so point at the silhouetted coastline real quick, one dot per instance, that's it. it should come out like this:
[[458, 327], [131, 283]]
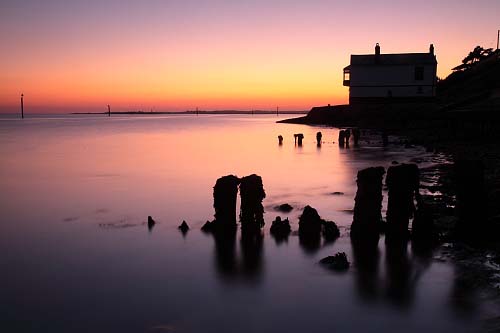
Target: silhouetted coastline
[[190, 112]]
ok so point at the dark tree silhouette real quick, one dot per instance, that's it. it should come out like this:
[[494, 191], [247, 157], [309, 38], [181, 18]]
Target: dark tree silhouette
[[475, 56]]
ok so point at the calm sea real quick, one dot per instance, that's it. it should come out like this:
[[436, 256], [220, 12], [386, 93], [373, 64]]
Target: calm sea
[[76, 255]]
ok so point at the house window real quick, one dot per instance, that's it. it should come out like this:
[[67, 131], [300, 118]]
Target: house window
[[419, 73], [347, 76]]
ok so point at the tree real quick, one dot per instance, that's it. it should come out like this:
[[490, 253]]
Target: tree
[[475, 56]]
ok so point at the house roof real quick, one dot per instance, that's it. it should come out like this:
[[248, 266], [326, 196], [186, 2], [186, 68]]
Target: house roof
[[394, 59]]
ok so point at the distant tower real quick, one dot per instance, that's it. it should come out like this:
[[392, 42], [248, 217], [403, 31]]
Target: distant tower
[[22, 106], [377, 49], [109, 111]]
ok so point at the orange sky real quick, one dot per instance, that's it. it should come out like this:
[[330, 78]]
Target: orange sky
[[219, 54]]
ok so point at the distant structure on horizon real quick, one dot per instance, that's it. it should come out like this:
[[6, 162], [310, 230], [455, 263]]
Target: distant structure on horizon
[[401, 77]]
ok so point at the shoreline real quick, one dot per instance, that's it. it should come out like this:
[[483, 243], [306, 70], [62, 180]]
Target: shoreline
[[257, 112], [461, 137]]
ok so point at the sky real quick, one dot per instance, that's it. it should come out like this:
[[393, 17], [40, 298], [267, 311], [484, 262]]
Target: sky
[[71, 56]]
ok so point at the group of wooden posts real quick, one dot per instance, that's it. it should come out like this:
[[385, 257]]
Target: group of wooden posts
[[344, 137], [402, 183], [404, 203], [403, 190], [251, 209]]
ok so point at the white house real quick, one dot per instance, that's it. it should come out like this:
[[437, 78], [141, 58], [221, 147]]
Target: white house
[[397, 77]]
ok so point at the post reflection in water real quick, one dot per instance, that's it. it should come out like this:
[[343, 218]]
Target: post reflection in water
[[248, 265], [399, 280], [396, 283], [310, 243], [366, 258]]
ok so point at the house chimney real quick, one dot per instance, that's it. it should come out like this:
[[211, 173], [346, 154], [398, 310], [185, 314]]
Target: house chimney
[[377, 49], [431, 49]]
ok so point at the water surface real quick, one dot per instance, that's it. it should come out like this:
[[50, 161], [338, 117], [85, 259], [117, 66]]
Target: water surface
[[77, 256]]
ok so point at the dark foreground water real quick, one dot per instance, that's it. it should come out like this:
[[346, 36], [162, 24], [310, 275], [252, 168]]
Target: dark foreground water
[[76, 255]]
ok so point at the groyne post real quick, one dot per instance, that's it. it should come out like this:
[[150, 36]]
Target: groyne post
[[319, 135], [225, 195], [471, 198], [368, 204], [402, 182], [342, 138], [252, 193]]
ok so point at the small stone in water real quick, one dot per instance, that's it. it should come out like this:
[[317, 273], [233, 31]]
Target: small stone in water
[[337, 262]]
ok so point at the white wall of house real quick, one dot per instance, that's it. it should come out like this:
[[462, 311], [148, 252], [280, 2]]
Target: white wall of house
[[395, 80]]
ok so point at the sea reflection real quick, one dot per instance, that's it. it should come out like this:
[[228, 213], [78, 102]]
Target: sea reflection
[[124, 278]]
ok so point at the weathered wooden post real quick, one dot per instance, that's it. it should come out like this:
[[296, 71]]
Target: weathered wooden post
[[341, 138], [225, 195], [367, 219], [403, 182], [252, 212], [300, 138], [347, 136], [109, 111], [355, 136], [471, 199], [319, 135]]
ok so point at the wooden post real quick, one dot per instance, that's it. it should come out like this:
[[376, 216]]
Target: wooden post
[[277, 110], [109, 111], [22, 106]]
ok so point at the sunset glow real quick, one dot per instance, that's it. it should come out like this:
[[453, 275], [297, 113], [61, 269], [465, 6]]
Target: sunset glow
[[179, 55]]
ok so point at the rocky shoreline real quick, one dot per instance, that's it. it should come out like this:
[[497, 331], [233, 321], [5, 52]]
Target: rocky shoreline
[[478, 257]]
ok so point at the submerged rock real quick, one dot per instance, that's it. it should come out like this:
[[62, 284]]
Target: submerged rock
[[337, 262], [184, 227], [286, 208], [280, 229], [330, 231], [208, 226], [310, 221], [151, 222], [311, 226]]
